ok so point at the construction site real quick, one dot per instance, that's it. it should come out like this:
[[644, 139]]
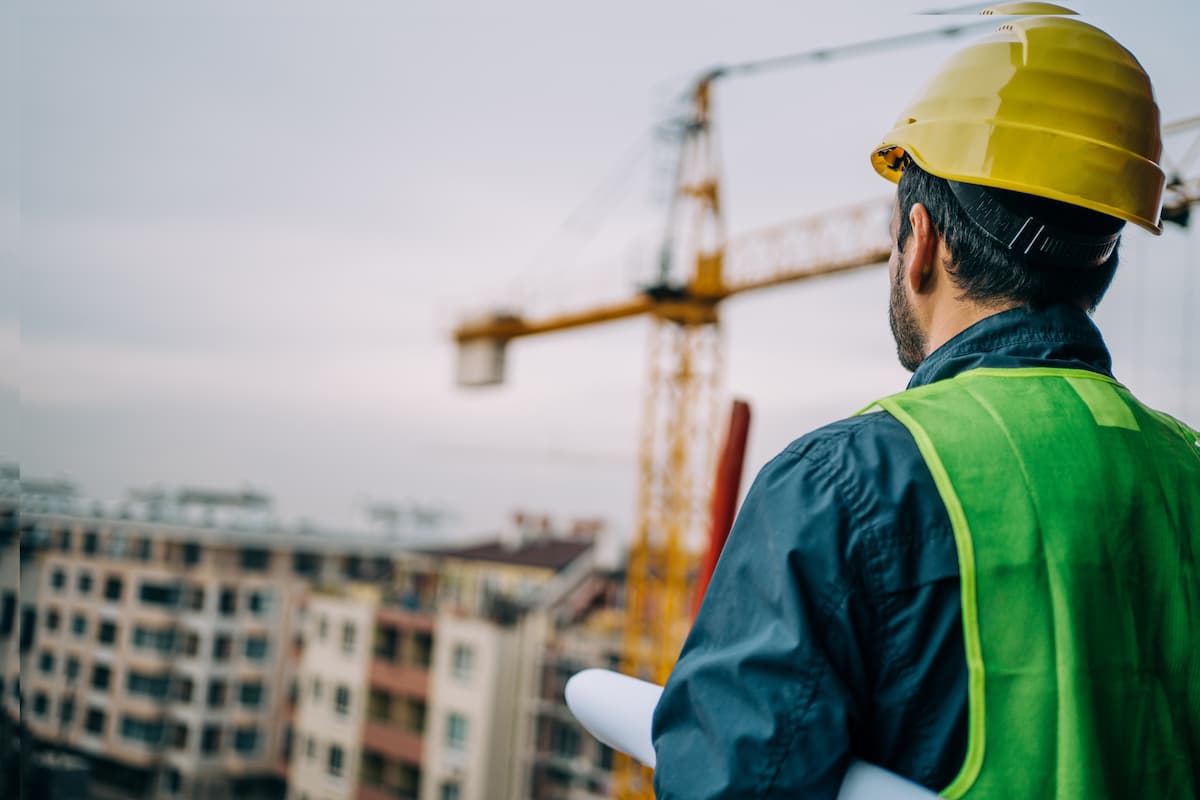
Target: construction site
[[687, 489], [679, 322]]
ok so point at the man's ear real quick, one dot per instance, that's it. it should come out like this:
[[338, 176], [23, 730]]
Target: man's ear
[[921, 250]]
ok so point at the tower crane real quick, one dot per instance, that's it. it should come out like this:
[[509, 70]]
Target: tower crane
[[684, 357]]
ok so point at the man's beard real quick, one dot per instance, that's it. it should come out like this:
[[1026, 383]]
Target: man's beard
[[910, 342]]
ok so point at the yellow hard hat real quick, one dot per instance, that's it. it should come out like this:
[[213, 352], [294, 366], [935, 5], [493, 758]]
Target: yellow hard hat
[[1047, 106]]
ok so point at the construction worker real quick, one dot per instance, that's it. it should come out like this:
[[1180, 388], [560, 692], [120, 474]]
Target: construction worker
[[988, 583]]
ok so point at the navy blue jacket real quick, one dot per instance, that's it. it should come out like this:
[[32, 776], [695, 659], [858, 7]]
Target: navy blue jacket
[[832, 627]]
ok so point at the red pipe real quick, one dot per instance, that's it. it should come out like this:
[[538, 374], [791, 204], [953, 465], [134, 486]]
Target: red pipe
[[725, 495]]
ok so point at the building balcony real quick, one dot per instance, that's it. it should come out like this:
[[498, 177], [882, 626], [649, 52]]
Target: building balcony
[[146, 706], [149, 659], [246, 764], [136, 754], [392, 741], [247, 715], [407, 615], [404, 679], [369, 792]]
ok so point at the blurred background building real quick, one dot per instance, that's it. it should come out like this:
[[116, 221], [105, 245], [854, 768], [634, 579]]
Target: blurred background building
[[185, 647]]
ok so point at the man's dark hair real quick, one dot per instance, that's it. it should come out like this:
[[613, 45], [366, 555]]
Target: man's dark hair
[[986, 270]]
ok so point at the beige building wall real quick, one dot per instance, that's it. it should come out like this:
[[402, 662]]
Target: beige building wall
[[532, 636], [467, 698], [337, 654], [483, 687]]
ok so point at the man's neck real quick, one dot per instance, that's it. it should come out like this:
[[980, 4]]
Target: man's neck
[[956, 317]]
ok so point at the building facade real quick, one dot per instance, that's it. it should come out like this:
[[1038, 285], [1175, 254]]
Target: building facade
[[331, 706], [363, 692], [568, 763], [163, 649], [196, 651], [452, 678], [496, 615]]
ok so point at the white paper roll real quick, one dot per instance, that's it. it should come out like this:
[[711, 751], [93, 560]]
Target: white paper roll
[[618, 710]]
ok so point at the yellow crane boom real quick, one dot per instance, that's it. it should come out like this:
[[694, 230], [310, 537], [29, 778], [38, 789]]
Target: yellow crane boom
[[836, 241]]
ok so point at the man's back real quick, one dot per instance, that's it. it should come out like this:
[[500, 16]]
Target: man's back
[[1076, 512], [839, 628]]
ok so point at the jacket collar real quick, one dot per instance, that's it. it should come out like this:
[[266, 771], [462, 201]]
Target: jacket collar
[[1055, 336]]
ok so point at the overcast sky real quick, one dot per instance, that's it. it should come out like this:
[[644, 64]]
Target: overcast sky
[[244, 231]]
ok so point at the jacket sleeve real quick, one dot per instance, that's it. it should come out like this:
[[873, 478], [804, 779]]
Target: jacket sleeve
[[761, 703]]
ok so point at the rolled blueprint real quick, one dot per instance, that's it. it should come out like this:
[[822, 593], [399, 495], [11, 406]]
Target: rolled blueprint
[[618, 710]]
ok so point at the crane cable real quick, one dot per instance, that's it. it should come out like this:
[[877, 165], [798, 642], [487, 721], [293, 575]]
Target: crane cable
[[825, 54], [576, 219], [680, 125], [583, 222]]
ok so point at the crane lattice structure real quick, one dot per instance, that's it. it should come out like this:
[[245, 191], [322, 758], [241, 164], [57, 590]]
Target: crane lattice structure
[[684, 361], [1183, 186]]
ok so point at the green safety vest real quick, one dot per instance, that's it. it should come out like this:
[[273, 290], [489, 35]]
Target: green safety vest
[[1076, 514]]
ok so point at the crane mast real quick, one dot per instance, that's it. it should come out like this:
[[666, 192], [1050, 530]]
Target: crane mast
[[678, 428]]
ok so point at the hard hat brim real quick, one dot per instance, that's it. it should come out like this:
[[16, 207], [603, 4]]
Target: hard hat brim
[[1024, 159]]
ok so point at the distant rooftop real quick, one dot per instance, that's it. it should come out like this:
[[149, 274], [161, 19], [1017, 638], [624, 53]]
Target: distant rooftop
[[554, 554], [195, 520], [242, 518]]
